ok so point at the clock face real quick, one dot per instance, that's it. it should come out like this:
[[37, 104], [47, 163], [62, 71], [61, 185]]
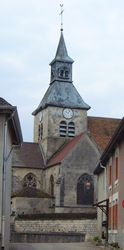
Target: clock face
[[67, 113]]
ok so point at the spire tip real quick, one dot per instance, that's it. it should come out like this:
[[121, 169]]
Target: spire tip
[[61, 14]]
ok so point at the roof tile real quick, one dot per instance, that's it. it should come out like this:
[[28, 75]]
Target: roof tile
[[101, 129]]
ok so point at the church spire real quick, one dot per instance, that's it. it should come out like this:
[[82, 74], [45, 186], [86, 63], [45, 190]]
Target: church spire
[[61, 53]]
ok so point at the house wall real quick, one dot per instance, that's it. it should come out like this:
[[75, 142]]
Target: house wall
[[115, 193], [5, 199], [2, 119], [101, 182]]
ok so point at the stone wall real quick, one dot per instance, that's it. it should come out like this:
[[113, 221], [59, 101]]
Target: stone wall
[[26, 205], [85, 227]]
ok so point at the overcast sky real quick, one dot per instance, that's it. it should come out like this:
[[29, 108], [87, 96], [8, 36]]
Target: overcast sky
[[94, 36]]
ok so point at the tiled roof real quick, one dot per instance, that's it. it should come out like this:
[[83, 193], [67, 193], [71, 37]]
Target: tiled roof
[[60, 155], [28, 156], [101, 129], [116, 139]]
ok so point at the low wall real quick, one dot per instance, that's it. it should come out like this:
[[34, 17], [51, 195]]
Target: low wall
[[57, 230], [47, 237]]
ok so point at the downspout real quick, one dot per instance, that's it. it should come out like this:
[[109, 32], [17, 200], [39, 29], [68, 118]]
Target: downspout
[[105, 180], [107, 203], [4, 184]]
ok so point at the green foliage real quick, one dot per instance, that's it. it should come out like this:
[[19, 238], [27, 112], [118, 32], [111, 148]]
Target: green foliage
[[97, 240], [114, 244]]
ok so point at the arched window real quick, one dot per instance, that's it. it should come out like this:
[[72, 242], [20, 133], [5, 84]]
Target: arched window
[[51, 185], [40, 131], [85, 190], [30, 181], [71, 129], [63, 129]]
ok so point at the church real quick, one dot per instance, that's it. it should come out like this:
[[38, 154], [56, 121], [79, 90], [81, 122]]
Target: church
[[54, 174]]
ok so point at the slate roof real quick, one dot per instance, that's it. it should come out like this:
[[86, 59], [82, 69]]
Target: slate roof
[[101, 129], [64, 151], [62, 94], [61, 53], [28, 156]]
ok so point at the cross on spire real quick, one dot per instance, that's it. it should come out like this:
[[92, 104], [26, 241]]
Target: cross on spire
[[61, 13]]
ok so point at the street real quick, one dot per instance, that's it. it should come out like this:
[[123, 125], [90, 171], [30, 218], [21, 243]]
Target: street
[[55, 246]]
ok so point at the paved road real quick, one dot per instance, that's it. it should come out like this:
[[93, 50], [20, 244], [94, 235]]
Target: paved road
[[54, 246]]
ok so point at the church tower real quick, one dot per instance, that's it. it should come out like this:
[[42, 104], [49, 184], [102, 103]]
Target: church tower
[[62, 113]]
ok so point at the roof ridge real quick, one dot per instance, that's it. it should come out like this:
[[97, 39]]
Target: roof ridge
[[103, 117]]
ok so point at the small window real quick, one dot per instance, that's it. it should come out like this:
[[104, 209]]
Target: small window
[[40, 131], [51, 185], [63, 129], [66, 74], [110, 175], [116, 168], [71, 129], [63, 72], [29, 181]]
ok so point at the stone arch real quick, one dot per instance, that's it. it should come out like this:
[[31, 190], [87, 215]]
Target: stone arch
[[85, 190]]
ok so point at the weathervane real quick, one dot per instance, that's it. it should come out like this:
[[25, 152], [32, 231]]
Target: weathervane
[[61, 13]]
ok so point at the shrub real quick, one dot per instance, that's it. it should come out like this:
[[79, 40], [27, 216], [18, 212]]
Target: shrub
[[97, 240], [114, 244]]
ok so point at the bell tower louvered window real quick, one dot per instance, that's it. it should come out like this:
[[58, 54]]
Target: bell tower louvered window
[[63, 129], [71, 129]]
